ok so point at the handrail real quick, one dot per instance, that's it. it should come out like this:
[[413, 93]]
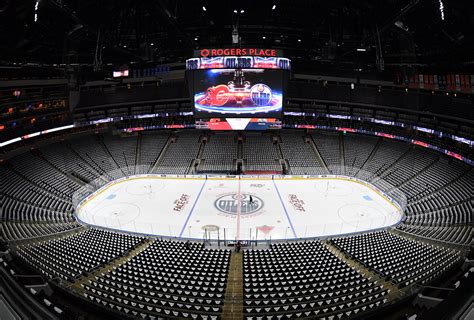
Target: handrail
[[30, 304], [451, 245], [44, 237]]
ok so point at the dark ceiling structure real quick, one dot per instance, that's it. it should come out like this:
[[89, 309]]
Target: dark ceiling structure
[[365, 34]]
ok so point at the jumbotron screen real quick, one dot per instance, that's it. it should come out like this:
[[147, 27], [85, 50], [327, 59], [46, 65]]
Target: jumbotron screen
[[238, 93]]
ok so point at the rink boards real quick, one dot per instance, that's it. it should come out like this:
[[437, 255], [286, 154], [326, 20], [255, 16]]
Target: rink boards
[[283, 207]]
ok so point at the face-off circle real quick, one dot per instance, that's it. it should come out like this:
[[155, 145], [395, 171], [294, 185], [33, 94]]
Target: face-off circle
[[116, 214]]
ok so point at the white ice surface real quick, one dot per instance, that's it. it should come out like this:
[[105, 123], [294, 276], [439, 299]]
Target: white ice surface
[[281, 208]]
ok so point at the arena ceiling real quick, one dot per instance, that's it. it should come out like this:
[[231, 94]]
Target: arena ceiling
[[411, 32]]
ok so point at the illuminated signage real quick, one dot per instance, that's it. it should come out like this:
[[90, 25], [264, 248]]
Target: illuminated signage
[[389, 136], [391, 123], [239, 124], [35, 134], [122, 73], [207, 52], [238, 62]]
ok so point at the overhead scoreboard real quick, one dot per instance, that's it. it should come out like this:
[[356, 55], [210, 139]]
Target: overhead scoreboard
[[238, 88]]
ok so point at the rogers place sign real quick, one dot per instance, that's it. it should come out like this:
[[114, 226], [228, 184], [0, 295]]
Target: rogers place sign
[[237, 52]]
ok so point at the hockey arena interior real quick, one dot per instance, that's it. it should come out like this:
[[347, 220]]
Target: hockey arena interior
[[236, 160]]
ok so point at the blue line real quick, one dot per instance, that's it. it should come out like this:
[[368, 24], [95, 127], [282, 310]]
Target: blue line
[[192, 209], [284, 208]]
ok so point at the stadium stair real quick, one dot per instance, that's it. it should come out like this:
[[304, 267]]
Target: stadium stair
[[78, 179], [342, 153], [191, 167], [234, 295], [100, 141], [240, 147], [114, 264], [371, 155], [73, 176], [96, 168], [138, 152], [379, 175], [318, 155], [199, 161], [37, 153], [393, 291], [414, 176], [441, 188], [202, 145], [155, 164], [282, 162], [280, 152], [21, 175]]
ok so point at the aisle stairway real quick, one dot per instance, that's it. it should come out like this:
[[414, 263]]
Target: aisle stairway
[[233, 301], [78, 284], [318, 154], [393, 291]]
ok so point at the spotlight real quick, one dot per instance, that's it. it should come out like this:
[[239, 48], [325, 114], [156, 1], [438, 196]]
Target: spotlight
[[36, 10], [274, 7], [204, 8], [441, 9]]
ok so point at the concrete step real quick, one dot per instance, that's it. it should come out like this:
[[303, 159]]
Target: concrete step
[[233, 308]]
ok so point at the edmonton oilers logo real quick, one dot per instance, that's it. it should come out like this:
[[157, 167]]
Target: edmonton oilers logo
[[261, 94], [228, 204]]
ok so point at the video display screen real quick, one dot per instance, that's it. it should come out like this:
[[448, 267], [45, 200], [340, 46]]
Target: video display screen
[[253, 124], [237, 93], [243, 62]]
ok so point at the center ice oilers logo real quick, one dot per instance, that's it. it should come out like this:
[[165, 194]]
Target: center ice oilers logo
[[228, 203]]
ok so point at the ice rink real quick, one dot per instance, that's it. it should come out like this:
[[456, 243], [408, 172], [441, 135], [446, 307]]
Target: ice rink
[[221, 207]]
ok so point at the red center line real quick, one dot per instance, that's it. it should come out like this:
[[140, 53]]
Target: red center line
[[237, 236]]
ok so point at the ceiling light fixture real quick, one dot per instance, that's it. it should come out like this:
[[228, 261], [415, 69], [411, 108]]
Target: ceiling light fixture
[[441, 9], [36, 10]]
